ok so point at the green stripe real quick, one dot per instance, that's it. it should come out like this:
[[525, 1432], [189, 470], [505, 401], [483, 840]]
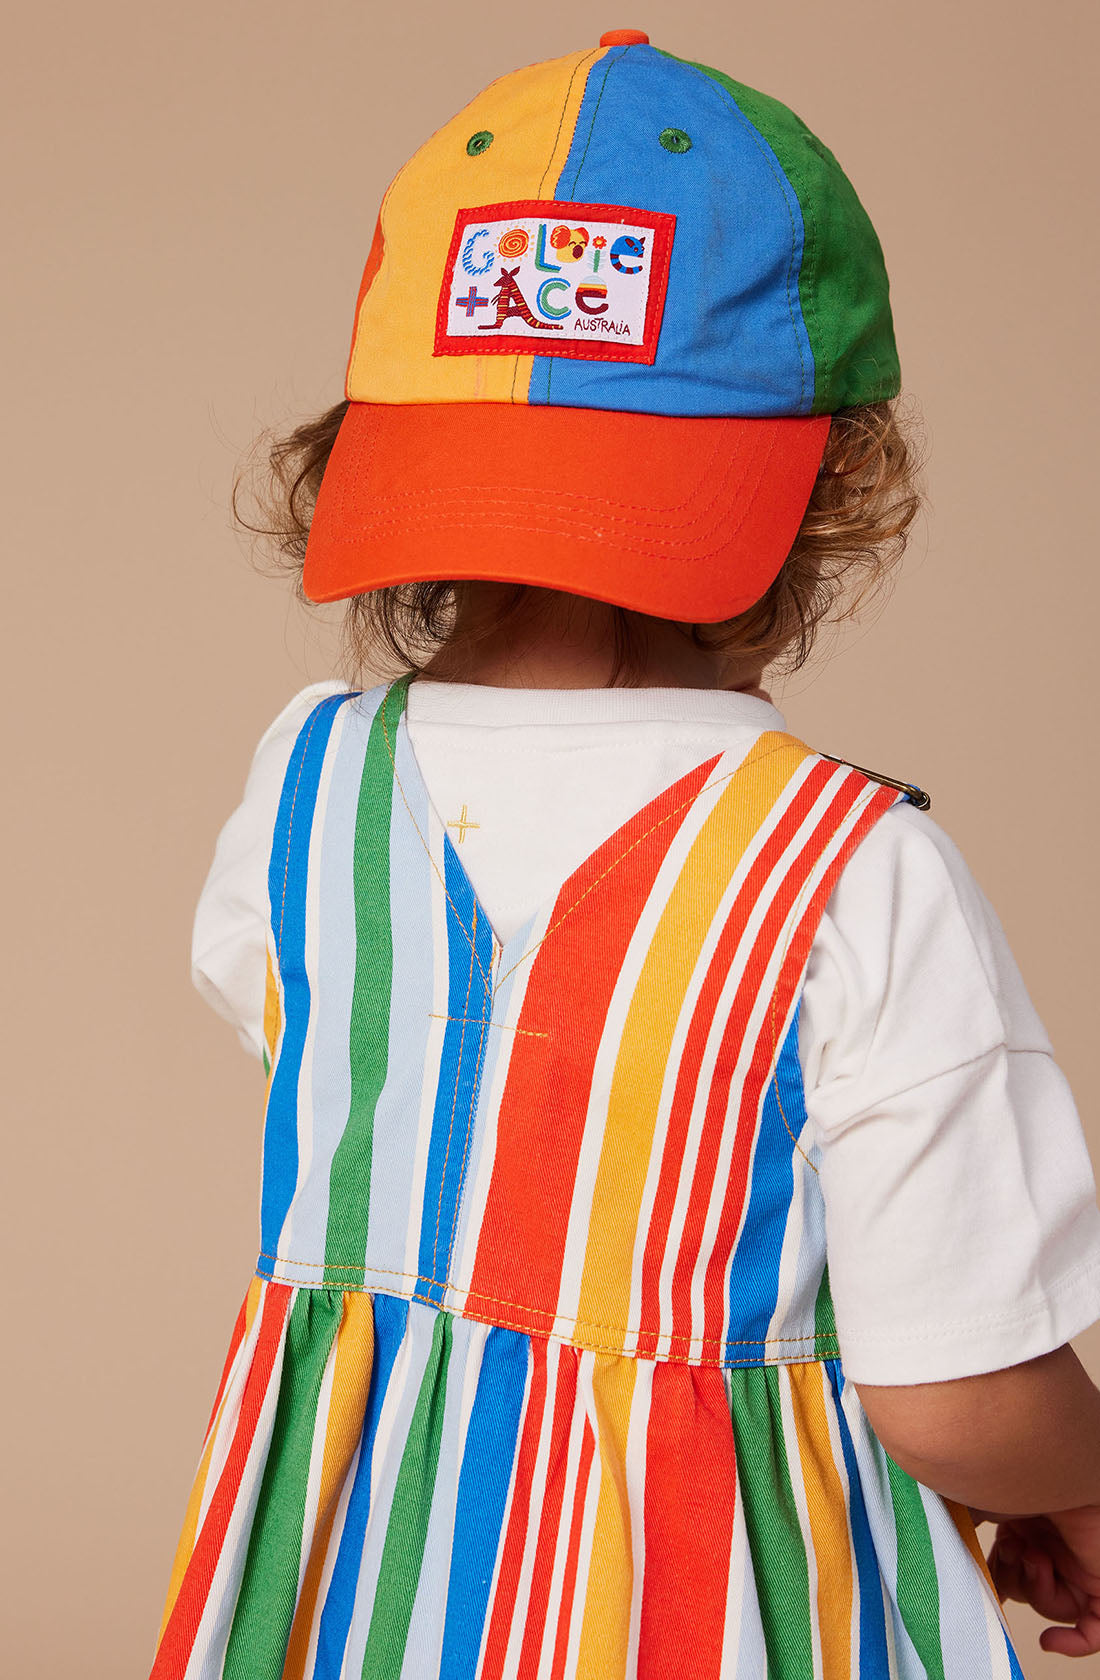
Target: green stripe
[[407, 1529], [825, 1342], [772, 1522], [269, 1586], [918, 1593], [842, 284], [368, 1039]]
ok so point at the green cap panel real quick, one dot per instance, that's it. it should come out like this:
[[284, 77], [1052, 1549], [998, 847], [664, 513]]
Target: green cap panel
[[843, 288]]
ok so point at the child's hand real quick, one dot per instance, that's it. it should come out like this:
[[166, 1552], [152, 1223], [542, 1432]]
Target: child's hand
[[1053, 1564]]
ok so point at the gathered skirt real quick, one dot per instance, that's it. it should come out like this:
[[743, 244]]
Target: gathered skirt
[[390, 1490]]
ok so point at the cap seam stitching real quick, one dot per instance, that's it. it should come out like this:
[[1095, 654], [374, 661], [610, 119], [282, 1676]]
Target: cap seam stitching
[[440, 521], [612, 59], [760, 144], [587, 59]]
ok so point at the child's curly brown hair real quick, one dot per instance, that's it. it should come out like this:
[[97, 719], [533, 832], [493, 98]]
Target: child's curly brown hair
[[854, 531]]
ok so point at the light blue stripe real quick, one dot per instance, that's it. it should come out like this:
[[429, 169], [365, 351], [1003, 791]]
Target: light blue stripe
[[287, 872], [964, 1633]]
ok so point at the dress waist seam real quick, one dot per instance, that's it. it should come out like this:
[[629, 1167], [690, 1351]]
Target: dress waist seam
[[813, 1347]]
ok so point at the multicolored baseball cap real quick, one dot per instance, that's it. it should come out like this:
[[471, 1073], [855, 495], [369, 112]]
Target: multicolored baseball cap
[[606, 316]]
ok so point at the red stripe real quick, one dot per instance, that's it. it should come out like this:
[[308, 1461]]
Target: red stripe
[[799, 949], [690, 1494], [541, 1119], [702, 1021], [851, 787], [716, 1119], [234, 1343], [174, 1651], [511, 1561], [534, 1619], [569, 1579]]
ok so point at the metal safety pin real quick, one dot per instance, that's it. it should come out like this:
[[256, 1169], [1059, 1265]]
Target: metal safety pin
[[917, 795]]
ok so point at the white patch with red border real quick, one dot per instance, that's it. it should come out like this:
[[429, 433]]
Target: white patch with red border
[[554, 278]]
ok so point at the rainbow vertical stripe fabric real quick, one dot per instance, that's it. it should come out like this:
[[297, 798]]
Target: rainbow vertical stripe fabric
[[538, 1377]]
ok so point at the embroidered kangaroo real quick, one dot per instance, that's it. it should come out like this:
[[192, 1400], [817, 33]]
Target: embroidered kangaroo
[[511, 301]]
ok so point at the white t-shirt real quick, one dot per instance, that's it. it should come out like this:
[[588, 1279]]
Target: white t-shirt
[[961, 1219]]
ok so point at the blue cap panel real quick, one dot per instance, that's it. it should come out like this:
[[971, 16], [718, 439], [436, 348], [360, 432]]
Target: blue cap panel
[[733, 340]]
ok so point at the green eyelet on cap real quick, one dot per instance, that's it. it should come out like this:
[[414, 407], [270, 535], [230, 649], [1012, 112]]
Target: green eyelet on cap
[[482, 140], [675, 140]]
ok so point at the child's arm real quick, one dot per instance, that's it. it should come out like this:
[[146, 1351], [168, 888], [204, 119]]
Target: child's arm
[[1025, 1441]]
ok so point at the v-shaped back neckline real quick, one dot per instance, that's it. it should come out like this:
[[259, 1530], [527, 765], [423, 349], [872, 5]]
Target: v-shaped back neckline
[[521, 939]]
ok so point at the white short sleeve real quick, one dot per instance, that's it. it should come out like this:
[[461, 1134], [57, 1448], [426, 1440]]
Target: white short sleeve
[[962, 1227], [229, 939]]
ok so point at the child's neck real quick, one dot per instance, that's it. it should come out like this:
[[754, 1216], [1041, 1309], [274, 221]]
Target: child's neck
[[569, 643]]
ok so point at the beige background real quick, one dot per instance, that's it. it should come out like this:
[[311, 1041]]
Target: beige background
[[195, 193]]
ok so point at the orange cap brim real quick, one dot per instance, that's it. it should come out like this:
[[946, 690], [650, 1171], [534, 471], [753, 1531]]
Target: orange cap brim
[[688, 518]]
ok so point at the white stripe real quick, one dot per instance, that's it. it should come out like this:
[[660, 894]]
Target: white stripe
[[637, 1442], [793, 1445], [577, 1425], [229, 1410], [738, 1564], [518, 1620], [212, 1637], [316, 1460], [800, 1249], [585, 1377]]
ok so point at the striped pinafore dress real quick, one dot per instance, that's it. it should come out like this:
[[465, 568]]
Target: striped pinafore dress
[[537, 1377]]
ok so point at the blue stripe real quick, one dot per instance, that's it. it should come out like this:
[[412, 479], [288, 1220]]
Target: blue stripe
[[1013, 1660], [483, 1484], [286, 882], [733, 339], [332, 989], [469, 1004], [873, 1651], [754, 1273], [391, 1314]]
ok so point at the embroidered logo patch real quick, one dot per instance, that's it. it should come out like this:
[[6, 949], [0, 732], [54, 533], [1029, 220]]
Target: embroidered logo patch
[[539, 277]]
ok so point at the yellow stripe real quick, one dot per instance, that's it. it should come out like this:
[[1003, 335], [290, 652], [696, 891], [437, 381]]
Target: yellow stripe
[[605, 1629], [531, 115], [272, 1013], [828, 1510], [641, 1064], [350, 1383], [198, 1487]]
